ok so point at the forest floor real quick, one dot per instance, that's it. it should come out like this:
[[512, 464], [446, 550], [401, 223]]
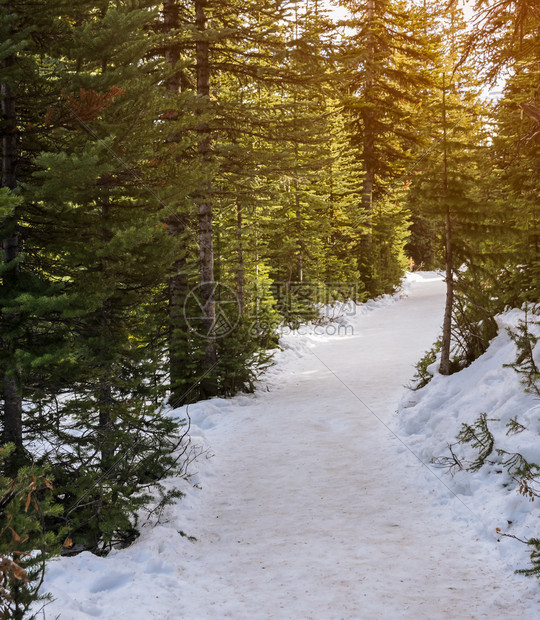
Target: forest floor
[[310, 507]]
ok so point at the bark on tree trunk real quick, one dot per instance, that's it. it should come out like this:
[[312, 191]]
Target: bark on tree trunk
[[444, 367], [299, 255], [104, 394], [106, 426], [207, 284], [178, 331], [171, 22], [178, 283], [240, 254], [298, 211], [104, 388], [368, 154], [369, 129], [11, 388]]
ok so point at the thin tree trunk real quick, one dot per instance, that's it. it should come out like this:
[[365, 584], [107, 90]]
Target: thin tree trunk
[[207, 284], [299, 255], [240, 254], [104, 388], [331, 203], [106, 427], [104, 394], [178, 343], [369, 129], [298, 211], [444, 368], [12, 418], [368, 154], [171, 22]]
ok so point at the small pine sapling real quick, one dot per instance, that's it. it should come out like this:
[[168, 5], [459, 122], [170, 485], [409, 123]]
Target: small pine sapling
[[534, 570], [525, 363], [480, 438], [422, 376]]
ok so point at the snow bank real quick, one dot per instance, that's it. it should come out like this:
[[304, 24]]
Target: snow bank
[[430, 419]]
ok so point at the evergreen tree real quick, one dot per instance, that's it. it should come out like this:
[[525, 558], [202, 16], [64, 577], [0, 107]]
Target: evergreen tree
[[383, 62], [446, 185], [516, 159], [89, 295], [29, 33]]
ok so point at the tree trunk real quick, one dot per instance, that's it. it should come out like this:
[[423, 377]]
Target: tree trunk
[[299, 255], [104, 387], [178, 344], [104, 395], [207, 283], [297, 206], [368, 154], [369, 128], [444, 368], [171, 22], [11, 388], [240, 253], [178, 286], [106, 427]]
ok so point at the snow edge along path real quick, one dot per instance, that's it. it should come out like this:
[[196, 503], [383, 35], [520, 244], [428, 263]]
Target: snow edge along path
[[310, 508]]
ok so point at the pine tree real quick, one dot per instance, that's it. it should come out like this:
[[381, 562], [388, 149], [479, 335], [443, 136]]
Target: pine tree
[[222, 53], [446, 185], [516, 156], [245, 131], [94, 318], [29, 33], [383, 62]]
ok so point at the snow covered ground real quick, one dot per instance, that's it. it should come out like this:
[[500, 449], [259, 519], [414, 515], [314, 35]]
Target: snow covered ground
[[432, 417], [311, 507]]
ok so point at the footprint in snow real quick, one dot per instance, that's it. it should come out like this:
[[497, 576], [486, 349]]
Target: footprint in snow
[[111, 581]]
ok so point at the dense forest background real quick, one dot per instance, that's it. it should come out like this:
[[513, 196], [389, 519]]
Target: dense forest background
[[180, 178]]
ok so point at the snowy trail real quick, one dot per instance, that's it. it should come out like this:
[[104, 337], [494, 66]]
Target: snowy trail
[[313, 511], [311, 508]]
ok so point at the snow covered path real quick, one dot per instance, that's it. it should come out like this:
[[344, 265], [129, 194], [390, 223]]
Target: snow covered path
[[311, 508], [314, 513]]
